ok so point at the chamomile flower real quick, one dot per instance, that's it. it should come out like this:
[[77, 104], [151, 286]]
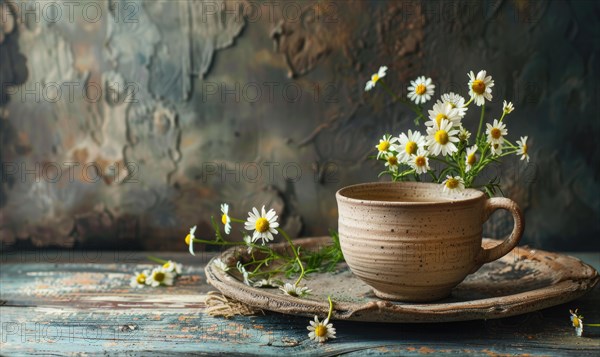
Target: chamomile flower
[[577, 321], [507, 108], [480, 87], [189, 239], [160, 276], [225, 219], [420, 90], [293, 290], [496, 132], [496, 149], [220, 264], [443, 111], [263, 224], [409, 144], [138, 280], [245, 273], [173, 267], [453, 183], [470, 158], [463, 134], [391, 161], [441, 139], [456, 101], [248, 241], [375, 78], [419, 161], [523, 148], [386, 144], [320, 331], [266, 283]]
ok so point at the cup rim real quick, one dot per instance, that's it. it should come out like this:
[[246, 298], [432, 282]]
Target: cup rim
[[341, 197]]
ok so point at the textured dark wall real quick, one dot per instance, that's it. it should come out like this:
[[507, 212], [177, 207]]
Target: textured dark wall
[[168, 108]]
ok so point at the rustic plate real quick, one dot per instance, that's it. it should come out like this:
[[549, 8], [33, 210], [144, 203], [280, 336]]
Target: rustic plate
[[525, 280]]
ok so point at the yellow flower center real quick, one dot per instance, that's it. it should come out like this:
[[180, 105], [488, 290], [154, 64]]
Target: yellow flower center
[[320, 331], [224, 218], [392, 160], [525, 149], [496, 133], [478, 86], [262, 225], [452, 183], [576, 322], [141, 279], [375, 78], [441, 136], [383, 146], [188, 238], [159, 276], [439, 118], [411, 147], [420, 89], [471, 159], [167, 265], [420, 161]]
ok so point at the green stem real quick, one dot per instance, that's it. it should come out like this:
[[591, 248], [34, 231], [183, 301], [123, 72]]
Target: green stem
[[212, 242], [236, 220], [469, 102], [445, 162], [509, 144], [502, 117], [156, 260], [433, 175], [330, 307], [289, 240], [593, 325], [414, 107], [480, 121]]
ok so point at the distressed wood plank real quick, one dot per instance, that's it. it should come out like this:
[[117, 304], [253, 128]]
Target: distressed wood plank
[[87, 309]]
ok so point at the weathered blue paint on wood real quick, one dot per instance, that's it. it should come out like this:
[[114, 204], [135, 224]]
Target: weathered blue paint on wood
[[55, 308]]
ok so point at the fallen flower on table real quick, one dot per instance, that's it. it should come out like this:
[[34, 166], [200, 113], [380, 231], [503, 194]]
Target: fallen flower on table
[[577, 321], [163, 275], [321, 331], [173, 267], [138, 280], [160, 276]]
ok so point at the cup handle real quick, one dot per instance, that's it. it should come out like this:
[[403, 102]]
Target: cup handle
[[491, 254]]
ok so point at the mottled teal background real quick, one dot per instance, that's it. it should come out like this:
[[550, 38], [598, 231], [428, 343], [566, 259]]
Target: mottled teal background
[[168, 108]]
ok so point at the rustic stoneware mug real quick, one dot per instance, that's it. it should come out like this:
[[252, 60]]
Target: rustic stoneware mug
[[412, 242]]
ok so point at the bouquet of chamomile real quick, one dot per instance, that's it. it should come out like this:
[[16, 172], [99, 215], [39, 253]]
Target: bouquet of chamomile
[[446, 151]]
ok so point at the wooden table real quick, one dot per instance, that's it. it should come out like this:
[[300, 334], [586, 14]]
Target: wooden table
[[70, 302]]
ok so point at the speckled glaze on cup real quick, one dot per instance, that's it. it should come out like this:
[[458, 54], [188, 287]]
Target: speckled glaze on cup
[[412, 242]]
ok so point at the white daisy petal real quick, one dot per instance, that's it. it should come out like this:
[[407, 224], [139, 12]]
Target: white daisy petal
[[480, 87], [420, 90], [189, 240], [321, 331], [455, 183]]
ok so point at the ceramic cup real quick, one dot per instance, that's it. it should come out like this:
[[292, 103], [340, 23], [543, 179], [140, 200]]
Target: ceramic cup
[[412, 242]]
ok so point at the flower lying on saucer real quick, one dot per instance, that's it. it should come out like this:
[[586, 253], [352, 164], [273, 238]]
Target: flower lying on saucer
[[293, 290]]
